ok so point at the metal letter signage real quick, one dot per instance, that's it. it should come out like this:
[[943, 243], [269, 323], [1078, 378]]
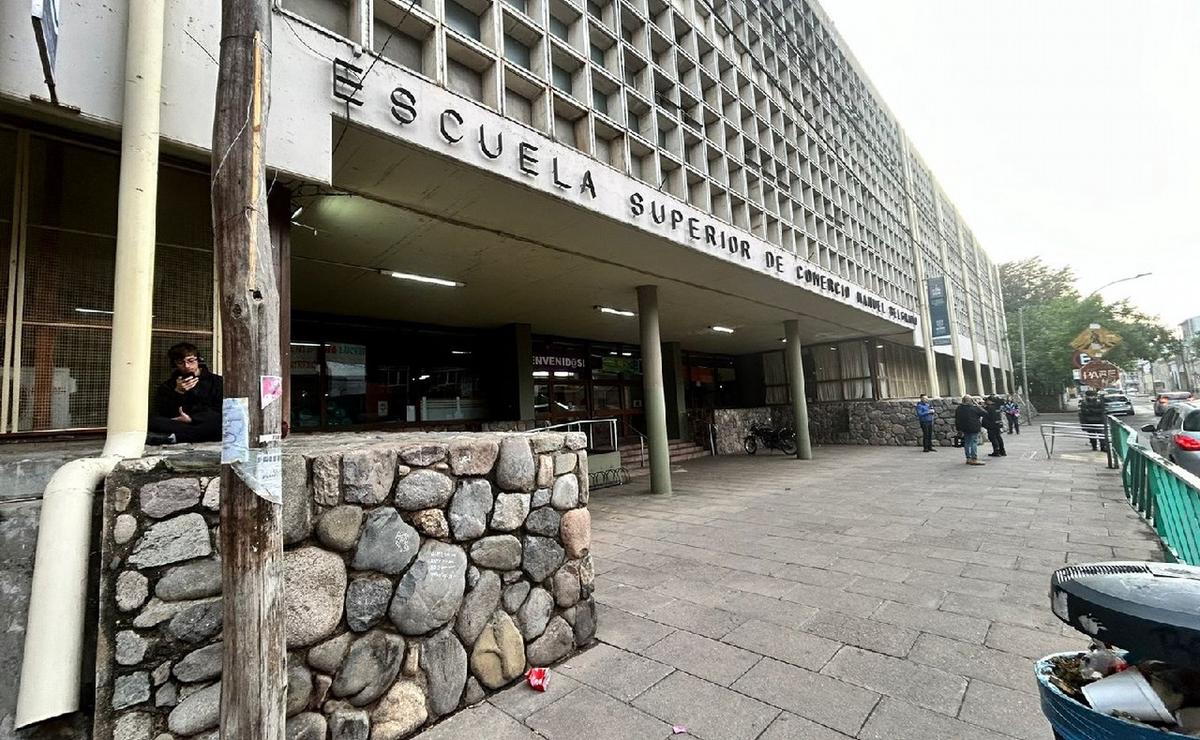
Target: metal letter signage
[[45, 30], [939, 311]]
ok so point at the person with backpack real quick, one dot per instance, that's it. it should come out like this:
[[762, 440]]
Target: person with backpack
[[968, 420], [992, 423], [1012, 413], [1092, 418]]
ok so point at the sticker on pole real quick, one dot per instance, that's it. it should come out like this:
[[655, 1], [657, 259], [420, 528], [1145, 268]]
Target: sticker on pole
[[271, 389], [235, 430]]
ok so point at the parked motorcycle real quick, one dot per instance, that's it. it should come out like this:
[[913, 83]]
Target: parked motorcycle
[[770, 438]]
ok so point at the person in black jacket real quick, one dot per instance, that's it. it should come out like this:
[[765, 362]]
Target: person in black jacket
[[968, 420], [1092, 418], [993, 424], [187, 405]]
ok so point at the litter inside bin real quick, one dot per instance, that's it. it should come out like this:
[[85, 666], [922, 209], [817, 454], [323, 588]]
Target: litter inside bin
[[1167, 697]]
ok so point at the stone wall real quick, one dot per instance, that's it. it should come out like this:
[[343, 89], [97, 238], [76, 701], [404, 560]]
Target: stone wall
[[889, 422], [422, 573]]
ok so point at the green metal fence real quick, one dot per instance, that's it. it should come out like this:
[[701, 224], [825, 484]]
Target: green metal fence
[[1165, 495]]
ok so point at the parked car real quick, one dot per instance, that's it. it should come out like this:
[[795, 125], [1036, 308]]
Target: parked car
[[1118, 404], [1169, 398], [1177, 435]]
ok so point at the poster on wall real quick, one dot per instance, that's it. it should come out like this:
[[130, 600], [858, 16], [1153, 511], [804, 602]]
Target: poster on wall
[[939, 310]]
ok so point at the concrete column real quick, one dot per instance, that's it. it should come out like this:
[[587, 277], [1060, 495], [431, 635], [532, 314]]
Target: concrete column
[[510, 383], [675, 387], [933, 387], [653, 392], [795, 371]]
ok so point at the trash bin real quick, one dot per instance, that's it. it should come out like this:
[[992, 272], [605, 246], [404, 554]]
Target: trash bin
[[1151, 611]]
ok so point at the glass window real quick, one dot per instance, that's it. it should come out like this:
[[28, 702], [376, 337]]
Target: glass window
[[597, 54], [1192, 422], [569, 398], [516, 52], [607, 397], [462, 19], [600, 101], [561, 78], [595, 9], [518, 4], [558, 28]]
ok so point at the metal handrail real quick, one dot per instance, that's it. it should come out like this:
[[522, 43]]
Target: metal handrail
[[577, 426], [1098, 432], [1165, 495]]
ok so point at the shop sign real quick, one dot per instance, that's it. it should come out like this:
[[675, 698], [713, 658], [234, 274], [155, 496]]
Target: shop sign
[[559, 361], [939, 310], [626, 365], [45, 31]]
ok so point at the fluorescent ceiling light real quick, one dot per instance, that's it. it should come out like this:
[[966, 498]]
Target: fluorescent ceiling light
[[93, 310], [423, 377], [459, 352], [783, 339], [615, 311], [563, 374], [541, 373], [305, 344], [422, 279], [298, 211], [722, 329], [627, 354]]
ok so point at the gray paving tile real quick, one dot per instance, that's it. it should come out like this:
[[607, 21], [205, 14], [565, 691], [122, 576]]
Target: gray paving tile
[[823, 699], [788, 726], [1030, 643], [588, 714], [833, 598], [520, 701], [897, 720], [975, 661], [904, 593], [946, 624], [707, 710], [1015, 713], [631, 599], [702, 620], [618, 673], [903, 679], [865, 633], [628, 631], [700, 656], [481, 720], [782, 643]]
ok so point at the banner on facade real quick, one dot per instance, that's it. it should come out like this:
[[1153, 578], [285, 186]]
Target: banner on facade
[[44, 14], [939, 310]]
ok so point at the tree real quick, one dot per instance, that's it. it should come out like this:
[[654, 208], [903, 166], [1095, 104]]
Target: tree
[[1054, 314], [1031, 282]]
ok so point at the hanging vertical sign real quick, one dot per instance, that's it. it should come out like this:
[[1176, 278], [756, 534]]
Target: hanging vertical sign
[[45, 30], [939, 311]]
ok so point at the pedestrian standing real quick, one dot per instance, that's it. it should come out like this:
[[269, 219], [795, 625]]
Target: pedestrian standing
[[1092, 419], [968, 420], [992, 423], [925, 416], [1012, 413]]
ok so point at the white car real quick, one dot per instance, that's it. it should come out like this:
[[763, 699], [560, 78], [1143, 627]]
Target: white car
[[1117, 404]]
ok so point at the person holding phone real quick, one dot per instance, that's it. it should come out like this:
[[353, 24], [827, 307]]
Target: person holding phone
[[187, 405]]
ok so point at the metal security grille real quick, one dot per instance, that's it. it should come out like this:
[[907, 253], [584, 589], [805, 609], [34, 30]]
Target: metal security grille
[[61, 283]]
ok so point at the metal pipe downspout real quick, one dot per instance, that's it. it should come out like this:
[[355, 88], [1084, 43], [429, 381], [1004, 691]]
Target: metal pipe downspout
[[51, 668]]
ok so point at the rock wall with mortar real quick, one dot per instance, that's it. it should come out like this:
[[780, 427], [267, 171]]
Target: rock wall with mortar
[[422, 573], [889, 422]]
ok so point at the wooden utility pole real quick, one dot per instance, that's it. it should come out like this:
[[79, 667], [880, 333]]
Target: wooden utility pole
[[253, 672]]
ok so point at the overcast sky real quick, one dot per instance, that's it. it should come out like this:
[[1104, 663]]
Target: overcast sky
[[1068, 129]]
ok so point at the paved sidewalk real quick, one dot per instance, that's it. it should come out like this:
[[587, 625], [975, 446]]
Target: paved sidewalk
[[871, 593]]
